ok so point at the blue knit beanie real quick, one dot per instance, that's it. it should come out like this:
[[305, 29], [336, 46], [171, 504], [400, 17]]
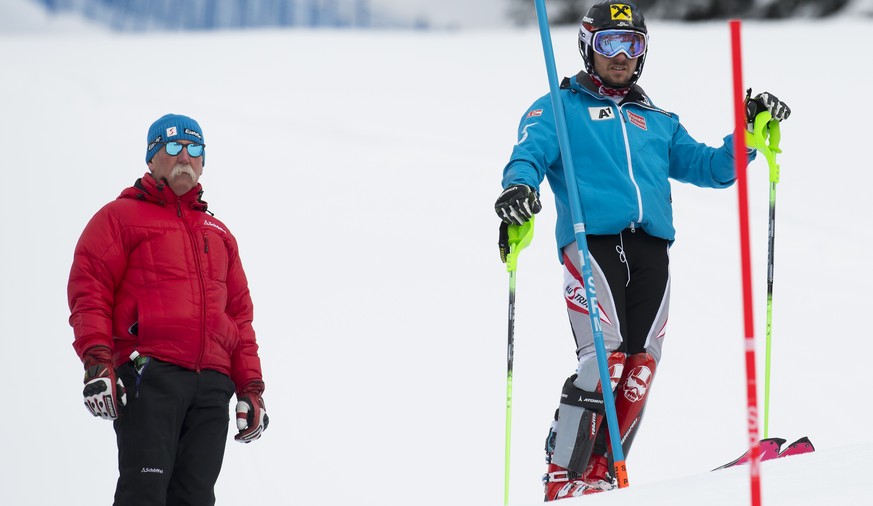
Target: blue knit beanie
[[172, 127]]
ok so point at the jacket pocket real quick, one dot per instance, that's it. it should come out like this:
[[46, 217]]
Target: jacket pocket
[[229, 335], [215, 252], [139, 366]]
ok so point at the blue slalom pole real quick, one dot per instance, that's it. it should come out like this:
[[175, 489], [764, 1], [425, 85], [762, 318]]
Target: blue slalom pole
[[582, 244]]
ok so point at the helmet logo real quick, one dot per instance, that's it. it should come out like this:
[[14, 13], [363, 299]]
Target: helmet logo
[[620, 12]]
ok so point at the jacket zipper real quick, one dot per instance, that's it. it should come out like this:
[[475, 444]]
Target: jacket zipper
[[202, 283], [630, 166]]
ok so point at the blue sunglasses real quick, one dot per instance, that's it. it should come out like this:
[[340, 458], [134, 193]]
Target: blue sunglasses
[[174, 148]]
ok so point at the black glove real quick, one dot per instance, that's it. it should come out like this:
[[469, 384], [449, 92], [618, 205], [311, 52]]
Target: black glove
[[517, 204], [764, 102], [251, 414], [104, 392]]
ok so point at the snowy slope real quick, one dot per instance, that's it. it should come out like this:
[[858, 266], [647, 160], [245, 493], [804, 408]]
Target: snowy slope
[[358, 171]]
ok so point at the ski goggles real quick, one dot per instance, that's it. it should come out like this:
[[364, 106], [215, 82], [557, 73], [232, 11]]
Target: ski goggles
[[174, 148], [611, 42]]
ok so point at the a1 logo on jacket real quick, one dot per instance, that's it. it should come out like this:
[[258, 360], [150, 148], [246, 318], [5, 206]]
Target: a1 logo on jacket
[[601, 113]]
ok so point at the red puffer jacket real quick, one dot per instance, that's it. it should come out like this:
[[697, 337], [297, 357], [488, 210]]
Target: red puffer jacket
[[156, 273]]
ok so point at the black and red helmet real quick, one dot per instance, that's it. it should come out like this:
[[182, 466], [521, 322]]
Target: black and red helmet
[[607, 15]]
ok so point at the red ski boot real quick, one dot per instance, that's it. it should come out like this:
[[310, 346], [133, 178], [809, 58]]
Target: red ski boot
[[597, 476], [561, 483]]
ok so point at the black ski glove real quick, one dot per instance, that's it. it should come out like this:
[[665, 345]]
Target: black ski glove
[[764, 102], [517, 204]]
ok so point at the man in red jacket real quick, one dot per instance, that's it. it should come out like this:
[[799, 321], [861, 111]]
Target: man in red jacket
[[162, 318]]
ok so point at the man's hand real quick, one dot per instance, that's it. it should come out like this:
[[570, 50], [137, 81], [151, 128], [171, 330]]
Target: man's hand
[[764, 102], [517, 204], [251, 415], [103, 391]]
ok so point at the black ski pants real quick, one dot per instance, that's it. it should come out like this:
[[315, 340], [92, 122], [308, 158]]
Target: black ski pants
[[171, 435], [632, 276]]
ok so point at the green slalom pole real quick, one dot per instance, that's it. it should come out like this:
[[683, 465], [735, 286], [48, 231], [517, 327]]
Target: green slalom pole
[[766, 140], [519, 237]]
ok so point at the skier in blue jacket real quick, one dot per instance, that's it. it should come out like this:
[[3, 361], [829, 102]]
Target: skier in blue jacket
[[625, 149]]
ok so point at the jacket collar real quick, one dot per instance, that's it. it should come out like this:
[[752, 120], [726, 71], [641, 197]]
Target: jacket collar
[[159, 192], [582, 81]]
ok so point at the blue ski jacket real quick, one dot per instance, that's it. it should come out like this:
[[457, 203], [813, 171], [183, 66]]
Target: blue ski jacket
[[623, 155]]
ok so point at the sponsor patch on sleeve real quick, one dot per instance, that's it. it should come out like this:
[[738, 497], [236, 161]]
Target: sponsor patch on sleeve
[[535, 112]]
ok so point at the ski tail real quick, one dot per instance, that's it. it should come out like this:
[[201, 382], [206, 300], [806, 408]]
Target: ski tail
[[769, 450], [802, 445]]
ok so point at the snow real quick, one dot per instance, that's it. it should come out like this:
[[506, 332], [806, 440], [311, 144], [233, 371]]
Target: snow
[[358, 171]]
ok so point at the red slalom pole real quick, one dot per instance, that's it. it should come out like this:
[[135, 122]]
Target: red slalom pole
[[749, 327]]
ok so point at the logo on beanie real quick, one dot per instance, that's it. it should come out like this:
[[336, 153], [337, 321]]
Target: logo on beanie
[[154, 143], [188, 131], [171, 132]]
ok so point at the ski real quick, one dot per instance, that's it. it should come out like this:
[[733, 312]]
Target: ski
[[771, 448], [802, 445]]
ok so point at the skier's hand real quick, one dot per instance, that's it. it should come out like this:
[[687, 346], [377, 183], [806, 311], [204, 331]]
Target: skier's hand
[[517, 204], [764, 102], [251, 415], [103, 392]]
